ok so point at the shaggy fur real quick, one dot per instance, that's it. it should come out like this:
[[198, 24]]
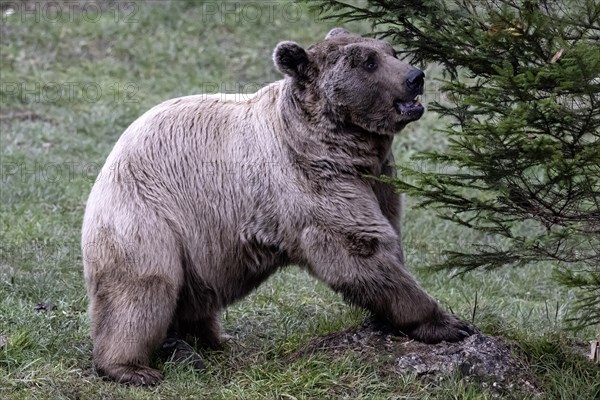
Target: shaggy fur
[[204, 197]]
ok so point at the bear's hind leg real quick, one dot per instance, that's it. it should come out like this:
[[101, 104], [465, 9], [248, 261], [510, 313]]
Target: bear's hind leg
[[178, 350], [197, 316], [201, 332], [129, 322], [205, 331], [195, 322]]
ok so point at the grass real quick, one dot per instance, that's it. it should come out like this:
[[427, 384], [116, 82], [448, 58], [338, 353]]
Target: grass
[[70, 86]]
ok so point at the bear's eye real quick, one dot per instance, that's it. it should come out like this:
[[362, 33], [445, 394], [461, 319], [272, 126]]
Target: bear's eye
[[371, 65]]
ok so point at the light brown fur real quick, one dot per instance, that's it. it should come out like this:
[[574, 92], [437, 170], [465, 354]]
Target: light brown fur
[[204, 197]]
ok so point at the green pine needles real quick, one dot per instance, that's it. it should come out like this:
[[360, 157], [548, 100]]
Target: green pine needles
[[522, 105]]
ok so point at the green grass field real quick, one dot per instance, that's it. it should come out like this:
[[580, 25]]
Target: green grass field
[[72, 79]]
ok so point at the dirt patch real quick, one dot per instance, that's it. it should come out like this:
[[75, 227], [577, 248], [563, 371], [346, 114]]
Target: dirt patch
[[486, 360], [9, 115]]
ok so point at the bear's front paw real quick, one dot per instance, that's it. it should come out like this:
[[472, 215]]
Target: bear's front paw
[[443, 327]]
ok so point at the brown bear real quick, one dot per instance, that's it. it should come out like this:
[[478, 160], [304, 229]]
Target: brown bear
[[204, 197]]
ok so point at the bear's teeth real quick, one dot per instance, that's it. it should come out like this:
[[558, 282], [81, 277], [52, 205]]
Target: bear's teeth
[[418, 100]]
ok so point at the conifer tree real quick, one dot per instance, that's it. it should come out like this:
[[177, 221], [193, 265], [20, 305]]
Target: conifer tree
[[521, 92]]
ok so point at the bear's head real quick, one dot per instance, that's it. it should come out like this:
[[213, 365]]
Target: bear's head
[[353, 81]]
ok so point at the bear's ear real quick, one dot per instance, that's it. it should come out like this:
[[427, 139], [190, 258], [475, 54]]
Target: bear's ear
[[337, 32], [290, 59]]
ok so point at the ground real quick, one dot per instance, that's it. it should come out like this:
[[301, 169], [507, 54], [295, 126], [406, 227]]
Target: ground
[[70, 86], [491, 362]]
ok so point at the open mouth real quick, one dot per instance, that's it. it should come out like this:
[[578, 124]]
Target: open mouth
[[410, 110]]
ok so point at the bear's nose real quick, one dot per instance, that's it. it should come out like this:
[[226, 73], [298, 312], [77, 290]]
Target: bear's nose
[[415, 81]]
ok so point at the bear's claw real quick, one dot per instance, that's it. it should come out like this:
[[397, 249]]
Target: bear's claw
[[446, 327], [132, 375]]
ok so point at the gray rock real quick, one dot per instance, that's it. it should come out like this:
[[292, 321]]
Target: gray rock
[[485, 359], [480, 359]]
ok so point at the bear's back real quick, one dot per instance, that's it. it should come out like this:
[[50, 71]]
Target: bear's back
[[192, 157]]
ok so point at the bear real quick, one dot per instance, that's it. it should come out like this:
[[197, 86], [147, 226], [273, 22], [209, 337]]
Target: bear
[[203, 197]]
